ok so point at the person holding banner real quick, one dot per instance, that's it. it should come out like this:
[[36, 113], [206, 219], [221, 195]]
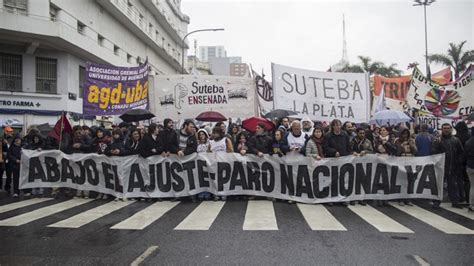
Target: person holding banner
[[169, 138], [311, 148], [241, 143], [152, 143], [279, 145], [260, 143], [117, 147], [337, 141], [36, 143], [220, 143], [187, 138], [131, 145], [295, 138], [405, 147], [383, 144], [453, 150]]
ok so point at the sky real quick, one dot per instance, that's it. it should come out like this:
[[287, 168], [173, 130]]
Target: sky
[[308, 34]]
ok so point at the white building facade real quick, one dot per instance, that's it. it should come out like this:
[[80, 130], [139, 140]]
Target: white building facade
[[206, 53], [44, 47]]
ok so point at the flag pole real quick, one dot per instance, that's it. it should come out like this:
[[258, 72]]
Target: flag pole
[[62, 128]]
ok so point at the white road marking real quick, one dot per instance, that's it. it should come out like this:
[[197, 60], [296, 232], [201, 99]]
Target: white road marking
[[421, 261], [319, 218], [144, 255], [463, 212], [377, 219], [21, 204], [146, 216], [434, 220], [202, 217], [260, 215], [42, 212], [86, 217]]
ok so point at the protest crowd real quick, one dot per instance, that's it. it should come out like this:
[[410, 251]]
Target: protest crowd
[[303, 138]]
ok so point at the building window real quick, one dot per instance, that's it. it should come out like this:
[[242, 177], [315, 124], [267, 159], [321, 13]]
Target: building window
[[157, 35], [46, 75], [150, 28], [10, 72], [116, 50], [53, 12], [82, 79], [16, 6], [80, 27], [100, 40], [129, 58]]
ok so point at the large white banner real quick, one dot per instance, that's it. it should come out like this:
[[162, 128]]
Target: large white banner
[[295, 177], [452, 101], [186, 96], [322, 96]]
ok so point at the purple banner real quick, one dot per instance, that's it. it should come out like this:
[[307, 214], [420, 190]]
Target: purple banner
[[111, 90]]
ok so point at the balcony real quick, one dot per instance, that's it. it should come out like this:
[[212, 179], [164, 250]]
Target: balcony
[[157, 9], [140, 26]]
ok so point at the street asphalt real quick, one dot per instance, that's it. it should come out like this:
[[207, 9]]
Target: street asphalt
[[225, 242]]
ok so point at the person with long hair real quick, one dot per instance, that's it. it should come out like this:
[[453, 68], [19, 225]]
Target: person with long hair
[[220, 143], [131, 145], [314, 146], [383, 144], [406, 147], [279, 145]]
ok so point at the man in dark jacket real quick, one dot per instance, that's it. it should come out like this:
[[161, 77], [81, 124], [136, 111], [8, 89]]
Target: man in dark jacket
[[169, 137], [260, 143], [14, 156], [453, 150], [117, 147], [337, 141], [187, 138], [151, 144]]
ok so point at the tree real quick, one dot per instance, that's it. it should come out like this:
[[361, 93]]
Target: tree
[[455, 58], [374, 67]]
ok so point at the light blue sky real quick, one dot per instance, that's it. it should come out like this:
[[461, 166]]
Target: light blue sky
[[308, 34]]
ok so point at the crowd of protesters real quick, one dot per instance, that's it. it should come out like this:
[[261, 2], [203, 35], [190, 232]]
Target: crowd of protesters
[[315, 140]]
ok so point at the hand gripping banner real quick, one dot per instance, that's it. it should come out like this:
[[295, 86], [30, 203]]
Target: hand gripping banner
[[297, 178]]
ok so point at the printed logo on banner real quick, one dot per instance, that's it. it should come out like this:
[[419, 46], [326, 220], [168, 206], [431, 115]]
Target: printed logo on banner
[[186, 96], [452, 101], [111, 90]]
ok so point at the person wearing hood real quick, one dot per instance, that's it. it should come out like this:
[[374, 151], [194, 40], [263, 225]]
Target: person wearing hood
[[101, 141], [307, 126], [202, 147], [260, 143], [169, 138], [117, 147], [14, 157], [452, 147]]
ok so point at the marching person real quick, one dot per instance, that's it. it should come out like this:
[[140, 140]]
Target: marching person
[[241, 146], [452, 147], [14, 157], [295, 138], [383, 144], [132, 143], [337, 141], [169, 138], [423, 141], [36, 143], [260, 143], [203, 146], [406, 147], [361, 145], [219, 144], [117, 147], [469, 154], [187, 138], [312, 145], [152, 142], [279, 145]]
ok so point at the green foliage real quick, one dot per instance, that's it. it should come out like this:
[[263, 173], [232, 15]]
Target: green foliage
[[455, 58], [373, 67]]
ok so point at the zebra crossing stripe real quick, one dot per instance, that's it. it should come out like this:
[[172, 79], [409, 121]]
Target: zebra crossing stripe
[[462, 212], [91, 215], [434, 220], [260, 215], [319, 218], [377, 219], [146, 216], [21, 204], [42, 212], [202, 217]]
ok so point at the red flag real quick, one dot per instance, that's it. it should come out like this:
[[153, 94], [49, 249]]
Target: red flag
[[442, 77], [62, 125]]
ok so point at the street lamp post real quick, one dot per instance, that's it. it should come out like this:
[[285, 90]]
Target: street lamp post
[[184, 44], [425, 3]]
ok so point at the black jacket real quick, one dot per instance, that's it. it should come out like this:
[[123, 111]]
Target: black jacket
[[131, 147], [337, 143], [452, 146], [117, 144], [260, 143], [169, 138], [469, 152], [147, 144], [13, 154], [191, 143]]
